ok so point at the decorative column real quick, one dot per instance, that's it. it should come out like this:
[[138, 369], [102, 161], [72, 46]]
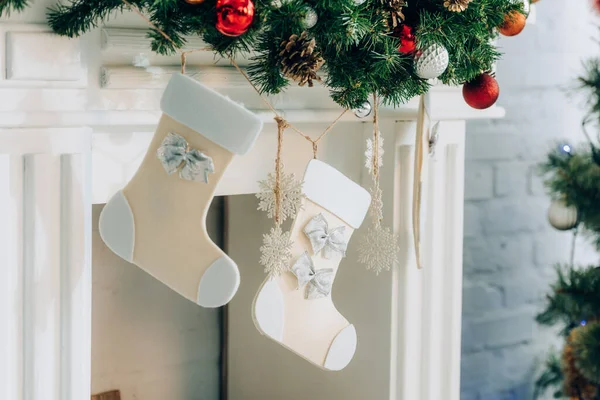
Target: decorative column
[[45, 259]]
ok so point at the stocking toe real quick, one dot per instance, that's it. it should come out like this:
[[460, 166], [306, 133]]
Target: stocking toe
[[342, 349], [219, 283], [116, 226]]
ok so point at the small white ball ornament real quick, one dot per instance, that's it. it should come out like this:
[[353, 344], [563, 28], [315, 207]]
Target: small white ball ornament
[[364, 110], [310, 18], [561, 216], [431, 62]]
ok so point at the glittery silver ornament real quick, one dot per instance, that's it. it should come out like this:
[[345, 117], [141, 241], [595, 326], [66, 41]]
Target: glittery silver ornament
[[431, 62], [310, 17], [371, 152], [364, 110], [276, 251], [561, 216], [379, 249], [290, 190]]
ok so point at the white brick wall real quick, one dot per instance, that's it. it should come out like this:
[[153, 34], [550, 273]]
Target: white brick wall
[[509, 248]]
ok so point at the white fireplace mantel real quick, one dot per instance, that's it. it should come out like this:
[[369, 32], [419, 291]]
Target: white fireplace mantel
[[75, 119]]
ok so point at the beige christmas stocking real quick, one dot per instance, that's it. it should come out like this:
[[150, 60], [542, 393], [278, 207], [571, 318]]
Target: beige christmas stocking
[[296, 309], [157, 221]]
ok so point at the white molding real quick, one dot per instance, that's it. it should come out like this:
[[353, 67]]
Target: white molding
[[157, 77], [42, 56], [134, 41], [28, 58], [427, 308], [46, 274]]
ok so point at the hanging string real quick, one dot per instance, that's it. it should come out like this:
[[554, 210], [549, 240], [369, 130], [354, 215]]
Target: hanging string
[[282, 125], [184, 54], [573, 245], [375, 139], [314, 142]]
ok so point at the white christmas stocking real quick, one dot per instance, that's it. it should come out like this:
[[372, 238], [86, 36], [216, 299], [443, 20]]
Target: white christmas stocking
[[157, 221], [296, 309]]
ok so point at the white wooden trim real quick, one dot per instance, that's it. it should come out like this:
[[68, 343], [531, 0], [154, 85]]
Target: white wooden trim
[[47, 261], [427, 304], [132, 40]]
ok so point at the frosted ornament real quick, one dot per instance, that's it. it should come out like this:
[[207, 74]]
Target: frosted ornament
[[432, 62]]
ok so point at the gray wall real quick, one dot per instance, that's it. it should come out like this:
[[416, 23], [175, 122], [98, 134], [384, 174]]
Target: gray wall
[[148, 341], [509, 248]]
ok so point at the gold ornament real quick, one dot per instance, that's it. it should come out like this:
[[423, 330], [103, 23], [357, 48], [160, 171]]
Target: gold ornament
[[300, 60], [456, 5]]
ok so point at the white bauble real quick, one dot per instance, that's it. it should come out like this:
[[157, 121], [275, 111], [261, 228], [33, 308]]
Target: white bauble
[[364, 110], [561, 216], [310, 18], [432, 62]]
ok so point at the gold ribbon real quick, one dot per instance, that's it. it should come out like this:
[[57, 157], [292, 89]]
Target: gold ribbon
[[420, 172]]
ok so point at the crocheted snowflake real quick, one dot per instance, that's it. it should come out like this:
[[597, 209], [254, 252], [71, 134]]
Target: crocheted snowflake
[[370, 153], [275, 253], [291, 196], [378, 250]]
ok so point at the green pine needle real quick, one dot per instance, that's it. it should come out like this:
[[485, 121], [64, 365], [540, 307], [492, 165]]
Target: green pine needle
[[361, 56]]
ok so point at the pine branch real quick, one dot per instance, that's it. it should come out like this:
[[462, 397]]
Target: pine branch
[[8, 6], [551, 377], [575, 297], [361, 54], [576, 180], [83, 15]]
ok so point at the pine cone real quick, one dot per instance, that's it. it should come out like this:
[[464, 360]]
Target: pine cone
[[394, 8], [299, 59], [456, 5]]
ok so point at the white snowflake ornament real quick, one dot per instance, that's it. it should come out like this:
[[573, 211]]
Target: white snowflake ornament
[[276, 251], [291, 196], [370, 153], [379, 249]]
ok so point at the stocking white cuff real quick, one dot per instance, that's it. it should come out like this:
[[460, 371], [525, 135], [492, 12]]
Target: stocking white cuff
[[211, 114], [336, 193]]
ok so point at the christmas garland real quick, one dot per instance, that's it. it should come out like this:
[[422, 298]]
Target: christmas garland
[[391, 48]]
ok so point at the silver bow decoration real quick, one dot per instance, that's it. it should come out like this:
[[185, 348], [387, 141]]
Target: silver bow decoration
[[319, 281], [175, 154], [322, 238]]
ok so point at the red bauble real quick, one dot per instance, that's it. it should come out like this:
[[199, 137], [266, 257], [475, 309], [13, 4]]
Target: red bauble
[[596, 4], [482, 92], [408, 43], [514, 23], [234, 17]]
